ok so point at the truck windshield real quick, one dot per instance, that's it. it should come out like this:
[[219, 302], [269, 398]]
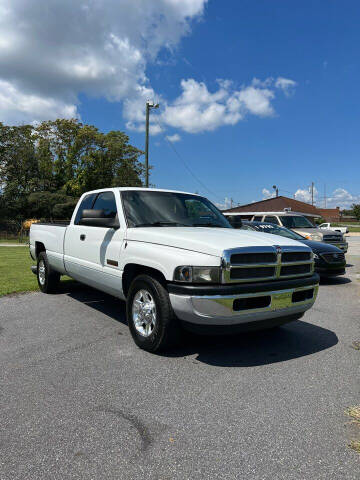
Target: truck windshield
[[275, 230], [292, 221], [169, 209]]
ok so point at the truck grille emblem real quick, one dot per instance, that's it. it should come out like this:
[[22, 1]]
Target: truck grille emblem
[[278, 249]]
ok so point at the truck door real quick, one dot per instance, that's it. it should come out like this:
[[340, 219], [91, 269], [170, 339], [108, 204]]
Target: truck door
[[91, 254]]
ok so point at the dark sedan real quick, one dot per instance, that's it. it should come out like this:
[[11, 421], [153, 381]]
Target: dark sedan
[[329, 260]]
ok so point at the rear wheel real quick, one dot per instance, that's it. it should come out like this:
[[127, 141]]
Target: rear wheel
[[150, 317], [48, 279]]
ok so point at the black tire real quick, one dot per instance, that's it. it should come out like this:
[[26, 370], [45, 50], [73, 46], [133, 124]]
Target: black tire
[[49, 283], [166, 332]]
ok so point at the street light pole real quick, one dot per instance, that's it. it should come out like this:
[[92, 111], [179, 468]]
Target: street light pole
[[149, 105], [312, 193]]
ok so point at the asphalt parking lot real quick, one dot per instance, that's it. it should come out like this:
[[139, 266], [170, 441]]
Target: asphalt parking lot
[[79, 400]]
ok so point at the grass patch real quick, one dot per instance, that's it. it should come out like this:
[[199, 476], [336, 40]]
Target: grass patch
[[15, 273], [355, 445], [354, 412], [25, 241], [356, 345], [354, 229]]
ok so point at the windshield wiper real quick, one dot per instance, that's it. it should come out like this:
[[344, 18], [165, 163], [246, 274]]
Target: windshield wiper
[[161, 224]]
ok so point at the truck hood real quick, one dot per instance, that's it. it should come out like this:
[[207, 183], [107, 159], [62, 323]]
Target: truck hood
[[321, 247], [317, 231], [208, 240]]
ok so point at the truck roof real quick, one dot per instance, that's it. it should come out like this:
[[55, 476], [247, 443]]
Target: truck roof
[[113, 189], [269, 214]]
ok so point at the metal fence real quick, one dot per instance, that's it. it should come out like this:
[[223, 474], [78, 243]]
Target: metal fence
[[16, 230]]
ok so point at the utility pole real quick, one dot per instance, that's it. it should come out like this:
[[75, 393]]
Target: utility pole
[[231, 202], [312, 193], [149, 105], [325, 194], [276, 190]]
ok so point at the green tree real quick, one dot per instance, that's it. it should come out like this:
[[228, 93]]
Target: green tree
[[19, 173], [62, 157], [64, 211], [356, 210], [41, 204]]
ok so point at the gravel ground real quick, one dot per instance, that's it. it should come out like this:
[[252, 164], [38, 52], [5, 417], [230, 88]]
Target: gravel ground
[[80, 401]]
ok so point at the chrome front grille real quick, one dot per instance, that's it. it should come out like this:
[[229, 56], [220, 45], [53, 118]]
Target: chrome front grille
[[332, 238], [333, 257], [249, 258], [245, 273], [295, 256], [254, 264], [287, 270]]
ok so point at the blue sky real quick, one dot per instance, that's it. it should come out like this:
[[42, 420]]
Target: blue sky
[[297, 122]]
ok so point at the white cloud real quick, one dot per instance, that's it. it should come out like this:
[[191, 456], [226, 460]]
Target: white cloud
[[51, 51], [257, 101], [198, 110], [224, 205], [286, 85], [19, 107], [342, 198], [174, 138], [267, 193], [304, 195], [338, 198]]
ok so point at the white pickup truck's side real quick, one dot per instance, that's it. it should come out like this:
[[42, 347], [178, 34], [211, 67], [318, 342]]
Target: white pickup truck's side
[[176, 261], [328, 226]]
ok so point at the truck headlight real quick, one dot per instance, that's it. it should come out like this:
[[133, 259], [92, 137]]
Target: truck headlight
[[191, 274], [316, 237]]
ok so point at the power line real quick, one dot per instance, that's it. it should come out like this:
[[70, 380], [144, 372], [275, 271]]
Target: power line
[[286, 191], [188, 168]]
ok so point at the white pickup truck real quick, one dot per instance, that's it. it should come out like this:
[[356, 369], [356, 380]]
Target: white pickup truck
[[327, 226], [177, 262]]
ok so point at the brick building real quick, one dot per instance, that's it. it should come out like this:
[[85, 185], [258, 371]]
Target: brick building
[[281, 204]]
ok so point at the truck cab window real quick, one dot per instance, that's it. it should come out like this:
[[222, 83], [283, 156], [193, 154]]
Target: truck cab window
[[270, 219], [86, 204], [257, 218], [196, 209], [106, 201]]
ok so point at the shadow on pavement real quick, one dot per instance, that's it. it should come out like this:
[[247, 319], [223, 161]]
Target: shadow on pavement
[[294, 340], [106, 304]]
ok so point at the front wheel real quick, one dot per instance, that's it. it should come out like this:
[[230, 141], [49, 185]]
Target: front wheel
[[150, 317], [48, 279]]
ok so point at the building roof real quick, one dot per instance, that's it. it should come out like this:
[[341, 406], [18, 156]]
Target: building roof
[[277, 204]]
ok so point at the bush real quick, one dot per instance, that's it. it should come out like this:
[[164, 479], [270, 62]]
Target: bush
[[64, 211]]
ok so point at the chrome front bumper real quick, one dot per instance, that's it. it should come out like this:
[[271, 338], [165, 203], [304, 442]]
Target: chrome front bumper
[[219, 309], [343, 246]]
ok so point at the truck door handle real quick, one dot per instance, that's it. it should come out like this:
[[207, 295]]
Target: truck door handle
[[82, 236]]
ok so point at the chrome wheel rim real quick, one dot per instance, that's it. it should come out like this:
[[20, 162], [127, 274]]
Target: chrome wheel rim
[[41, 272], [144, 313]]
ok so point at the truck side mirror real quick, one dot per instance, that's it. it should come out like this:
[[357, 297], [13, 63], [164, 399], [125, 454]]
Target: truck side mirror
[[235, 221], [97, 218]]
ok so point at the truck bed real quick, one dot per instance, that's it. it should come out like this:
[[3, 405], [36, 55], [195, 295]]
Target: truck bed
[[63, 223], [52, 236]]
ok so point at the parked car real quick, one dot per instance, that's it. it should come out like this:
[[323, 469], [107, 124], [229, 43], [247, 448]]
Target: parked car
[[329, 260], [328, 226], [299, 224], [177, 262]]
